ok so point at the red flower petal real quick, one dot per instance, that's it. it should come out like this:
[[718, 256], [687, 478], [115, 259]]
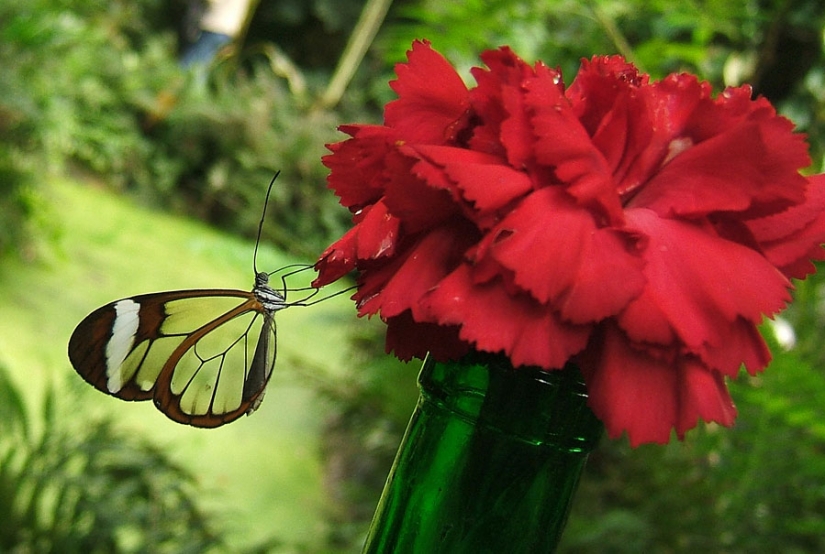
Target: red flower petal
[[644, 127], [600, 84], [399, 286], [740, 344], [557, 253], [431, 97], [377, 233], [791, 239], [494, 321], [481, 178], [646, 396], [337, 260], [357, 165], [698, 284], [373, 237], [562, 142], [496, 104], [515, 131], [410, 339], [702, 394], [733, 171]]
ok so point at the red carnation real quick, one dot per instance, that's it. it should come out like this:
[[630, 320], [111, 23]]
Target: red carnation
[[639, 229]]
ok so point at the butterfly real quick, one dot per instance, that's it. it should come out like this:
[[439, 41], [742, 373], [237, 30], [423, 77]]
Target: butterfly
[[203, 356]]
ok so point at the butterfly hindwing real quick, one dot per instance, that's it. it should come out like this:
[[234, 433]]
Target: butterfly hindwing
[[204, 356], [215, 376]]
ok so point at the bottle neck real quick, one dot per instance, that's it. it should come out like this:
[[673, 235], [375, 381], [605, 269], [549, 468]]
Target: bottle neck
[[546, 408], [490, 461]]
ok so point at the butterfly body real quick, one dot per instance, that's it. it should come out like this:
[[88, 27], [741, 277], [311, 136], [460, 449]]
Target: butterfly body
[[203, 356]]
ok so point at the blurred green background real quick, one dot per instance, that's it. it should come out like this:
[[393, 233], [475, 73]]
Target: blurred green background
[[120, 173]]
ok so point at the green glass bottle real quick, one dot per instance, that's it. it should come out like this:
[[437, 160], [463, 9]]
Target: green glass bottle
[[489, 463]]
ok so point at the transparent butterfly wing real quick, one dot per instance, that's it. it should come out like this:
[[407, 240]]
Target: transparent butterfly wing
[[203, 356]]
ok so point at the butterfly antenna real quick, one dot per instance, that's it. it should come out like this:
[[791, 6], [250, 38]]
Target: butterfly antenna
[[261, 223]]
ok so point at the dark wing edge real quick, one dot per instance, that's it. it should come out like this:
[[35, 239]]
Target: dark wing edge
[[87, 345]]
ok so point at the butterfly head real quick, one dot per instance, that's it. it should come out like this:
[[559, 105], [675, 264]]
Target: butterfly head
[[261, 279]]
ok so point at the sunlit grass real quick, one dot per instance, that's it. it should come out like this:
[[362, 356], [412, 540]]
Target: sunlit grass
[[262, 472]]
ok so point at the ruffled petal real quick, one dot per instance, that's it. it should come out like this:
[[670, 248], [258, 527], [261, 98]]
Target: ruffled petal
[[598, 83], [374, 236], [793, 238], [731, 172], [432, 98], [698, 284], [400, 285], [480, 178], [563, 143], [358, 172], [656, 116], [559, 256], [337, 260], [739, 345], [629, 391], [606, 98], [515, 133], [702, 394], [495, 321], [648, 397], [413, 200]]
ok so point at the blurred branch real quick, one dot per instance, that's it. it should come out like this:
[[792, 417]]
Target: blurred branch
[[615, 34], [791, 46], [365, 30], [282, 66]]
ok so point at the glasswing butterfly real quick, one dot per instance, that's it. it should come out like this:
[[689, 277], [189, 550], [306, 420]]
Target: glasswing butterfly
[[203, 356]]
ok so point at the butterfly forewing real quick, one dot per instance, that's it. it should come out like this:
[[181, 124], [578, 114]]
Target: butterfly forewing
[[107, 347], [205, 356]]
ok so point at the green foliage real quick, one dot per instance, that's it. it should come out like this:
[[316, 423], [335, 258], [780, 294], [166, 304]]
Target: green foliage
[[661, 36], [91, 86], [759, 487], [18, 204], [228, 142], [76, 68], [76, 485], [63, 65], [371, 403]]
